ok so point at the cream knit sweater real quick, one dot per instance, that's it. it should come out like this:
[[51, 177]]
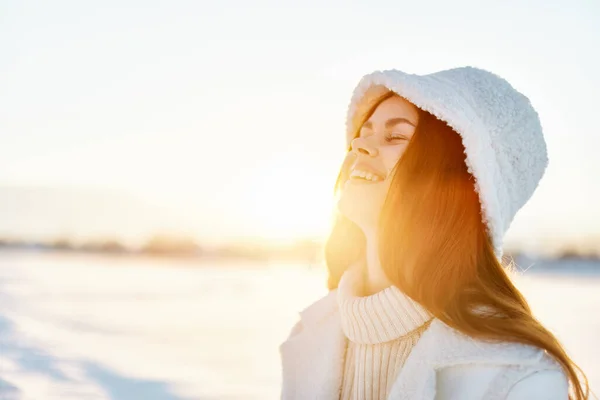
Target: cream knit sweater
[[381, 329]]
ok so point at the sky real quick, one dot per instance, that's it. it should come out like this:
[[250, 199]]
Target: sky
[[229, 116]]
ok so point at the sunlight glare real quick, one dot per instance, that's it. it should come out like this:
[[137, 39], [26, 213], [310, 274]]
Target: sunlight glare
[[289, 199]]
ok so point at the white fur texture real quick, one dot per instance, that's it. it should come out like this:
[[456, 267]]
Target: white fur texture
[[444, 365], [500, 130]]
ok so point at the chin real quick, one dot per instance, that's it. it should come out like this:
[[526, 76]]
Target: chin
[[362, 202]]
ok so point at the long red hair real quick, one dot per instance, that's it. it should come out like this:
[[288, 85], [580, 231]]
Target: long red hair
[[436, 249]]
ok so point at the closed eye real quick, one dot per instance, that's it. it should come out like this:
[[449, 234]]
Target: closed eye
[[395, 138]]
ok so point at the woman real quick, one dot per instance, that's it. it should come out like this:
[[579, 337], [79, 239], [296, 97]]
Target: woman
[[420, 306]]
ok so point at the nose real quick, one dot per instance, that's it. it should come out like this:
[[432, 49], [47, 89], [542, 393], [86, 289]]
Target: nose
[[362, 145]]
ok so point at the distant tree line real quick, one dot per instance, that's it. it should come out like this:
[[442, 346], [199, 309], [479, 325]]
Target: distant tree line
[[172, 245], [179, 246]]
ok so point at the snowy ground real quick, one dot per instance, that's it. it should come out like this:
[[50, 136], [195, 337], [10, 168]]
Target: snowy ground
[[78, 327]]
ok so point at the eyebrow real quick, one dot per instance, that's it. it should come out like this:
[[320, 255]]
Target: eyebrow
[[390, 122]]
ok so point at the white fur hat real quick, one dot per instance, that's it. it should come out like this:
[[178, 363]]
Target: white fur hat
[[500, 130]]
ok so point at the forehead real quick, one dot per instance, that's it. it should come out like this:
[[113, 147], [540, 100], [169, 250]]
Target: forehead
[[395, 106]]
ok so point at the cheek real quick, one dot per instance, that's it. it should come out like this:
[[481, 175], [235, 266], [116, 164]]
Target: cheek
[[391, 154]]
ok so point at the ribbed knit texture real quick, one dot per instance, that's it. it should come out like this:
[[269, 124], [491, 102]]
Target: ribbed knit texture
[[381, 329]]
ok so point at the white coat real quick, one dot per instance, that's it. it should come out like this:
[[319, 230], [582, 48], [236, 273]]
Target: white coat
[[444, 364]]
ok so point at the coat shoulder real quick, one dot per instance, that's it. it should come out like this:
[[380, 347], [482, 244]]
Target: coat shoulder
[[501, 370], [456, 348], [451, 381], [500, 382], [446, 364], [548, 384]]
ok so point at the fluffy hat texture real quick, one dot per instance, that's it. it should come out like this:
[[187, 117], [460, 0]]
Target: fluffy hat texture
[[500, 130]]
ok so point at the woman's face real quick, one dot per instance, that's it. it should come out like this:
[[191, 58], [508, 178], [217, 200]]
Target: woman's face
[[382, 141]]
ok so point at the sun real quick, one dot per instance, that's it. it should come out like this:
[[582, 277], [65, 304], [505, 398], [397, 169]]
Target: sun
[[287, 200]]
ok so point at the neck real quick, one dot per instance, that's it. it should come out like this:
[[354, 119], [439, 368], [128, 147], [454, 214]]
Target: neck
[[375, 279]]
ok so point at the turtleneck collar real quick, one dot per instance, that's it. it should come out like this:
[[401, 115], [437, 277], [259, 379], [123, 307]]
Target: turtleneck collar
[[378, 318]]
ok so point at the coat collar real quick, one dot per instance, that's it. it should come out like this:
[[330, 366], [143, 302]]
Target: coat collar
[[313, 357], [320, 309]]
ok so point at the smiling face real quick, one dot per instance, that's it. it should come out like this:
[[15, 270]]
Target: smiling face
[[382, 140]]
